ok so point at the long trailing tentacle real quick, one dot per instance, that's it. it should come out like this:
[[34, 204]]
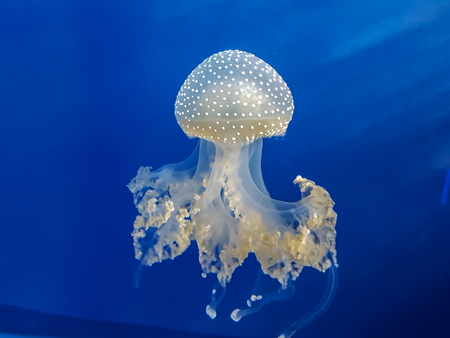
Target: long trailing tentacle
[[320, 308]]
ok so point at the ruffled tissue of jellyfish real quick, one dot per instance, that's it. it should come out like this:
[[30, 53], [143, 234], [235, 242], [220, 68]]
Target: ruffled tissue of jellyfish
[[218, 198]]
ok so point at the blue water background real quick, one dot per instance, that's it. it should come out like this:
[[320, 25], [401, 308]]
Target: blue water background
[[87, 90]]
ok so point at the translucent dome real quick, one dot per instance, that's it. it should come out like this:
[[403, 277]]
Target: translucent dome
[[234, 97]]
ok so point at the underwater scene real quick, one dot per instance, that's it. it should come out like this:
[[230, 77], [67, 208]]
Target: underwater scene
[[213, 169]]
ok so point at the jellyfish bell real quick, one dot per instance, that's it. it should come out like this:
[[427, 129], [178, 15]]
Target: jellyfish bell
[[217, 197], [234, 97]]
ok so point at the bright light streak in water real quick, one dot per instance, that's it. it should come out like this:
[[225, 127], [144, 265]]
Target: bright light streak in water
[[446, 186]]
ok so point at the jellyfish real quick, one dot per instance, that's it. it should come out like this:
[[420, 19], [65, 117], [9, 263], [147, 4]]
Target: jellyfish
[[217, 196]]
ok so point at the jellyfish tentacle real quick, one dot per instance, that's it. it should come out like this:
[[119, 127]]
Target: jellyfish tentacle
[[211, 308], [137, 276], [285, 236], [163, 198], [257, 282], [236, 216], [319, 309], [254, 165], [222, 242], [256, 302]]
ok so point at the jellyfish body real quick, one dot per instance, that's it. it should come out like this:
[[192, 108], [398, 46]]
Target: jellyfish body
[[217, 196]]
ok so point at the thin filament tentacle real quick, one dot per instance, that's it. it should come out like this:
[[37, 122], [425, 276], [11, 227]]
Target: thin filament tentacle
[[320, 308]]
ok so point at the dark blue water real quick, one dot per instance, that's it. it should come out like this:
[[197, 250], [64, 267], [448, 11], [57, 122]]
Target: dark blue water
[[87, 90]]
